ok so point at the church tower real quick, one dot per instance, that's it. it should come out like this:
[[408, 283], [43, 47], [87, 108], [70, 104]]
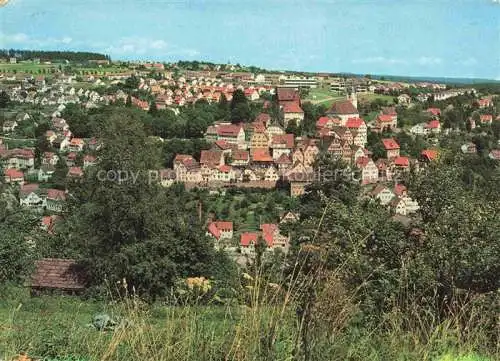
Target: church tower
[[353, 97]]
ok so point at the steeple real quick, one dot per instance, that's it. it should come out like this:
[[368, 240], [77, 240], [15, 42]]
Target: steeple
[[353, 97]]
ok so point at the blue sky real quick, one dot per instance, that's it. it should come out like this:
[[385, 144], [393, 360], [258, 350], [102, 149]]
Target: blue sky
[[455, 38]]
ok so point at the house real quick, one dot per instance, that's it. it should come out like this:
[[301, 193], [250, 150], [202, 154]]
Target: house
[[261, 157], [167, 177], [283, 162], [76, 145], [211, 158], [469, 148], [57, 274], [401, 163], [273, 238], [274, 129], [434, 113], [45, 173], [299, 177], [391, 148], [289, 217], [343, 110], [359, 126], [240, 158], [55, 200], [398, 206], [30, 196], [50, 158], [485, 102], [369, 171], [75, 173], [187, 169], [486, 118], [223, 146], [259, 138], [271, 174], [71, 159], [19, 158], [324, 123], [232, 134], [384, 170], [248, 241], [404, 99], [409, 205], [292, 111], [383, 194], [12, 175], [220, 231], [223, 173], [494, 154], [386, 122], [387, 119], [89, 160], [433, 126], [419, 129], [282, 144], [428, 155]]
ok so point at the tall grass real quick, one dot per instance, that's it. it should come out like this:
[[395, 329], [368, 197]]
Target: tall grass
[[311, 316]]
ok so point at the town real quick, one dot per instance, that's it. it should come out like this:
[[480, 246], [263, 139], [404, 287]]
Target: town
[[279, 125]]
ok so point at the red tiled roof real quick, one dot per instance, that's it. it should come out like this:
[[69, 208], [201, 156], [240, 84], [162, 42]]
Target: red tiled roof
[[283, 159], [28, 188], [56, 194], [268, 230], [229, 130], [247, 238], [13, 173], [75, 172], [261, 155], [224, 226], [213, 230], [402, 161], [224, 168], [287, 139], [385, 118], [430, 154], [292, 107], [434, 111], [240, 155], [486, 118], [211, 158], [354, 123], [286, 94], [390, 144], [399, 189], [63, 274], [433, 124], [362, 162]]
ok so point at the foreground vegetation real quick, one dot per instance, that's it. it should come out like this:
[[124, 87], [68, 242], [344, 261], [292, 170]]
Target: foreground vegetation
[[58, 327]]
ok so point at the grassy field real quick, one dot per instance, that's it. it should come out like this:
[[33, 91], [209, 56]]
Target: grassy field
[[323, 96], [57, 328]]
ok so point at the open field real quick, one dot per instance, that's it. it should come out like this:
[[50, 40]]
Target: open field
[[323, 96]]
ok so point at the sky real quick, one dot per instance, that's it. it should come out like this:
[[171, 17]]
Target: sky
[[448, 38]]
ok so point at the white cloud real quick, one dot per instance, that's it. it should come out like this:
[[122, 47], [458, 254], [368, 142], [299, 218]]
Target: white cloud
[[429, 60], [23, 39], [379, 60]]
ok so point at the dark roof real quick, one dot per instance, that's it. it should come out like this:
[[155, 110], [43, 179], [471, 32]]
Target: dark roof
[[56, 273], [343, 107]]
